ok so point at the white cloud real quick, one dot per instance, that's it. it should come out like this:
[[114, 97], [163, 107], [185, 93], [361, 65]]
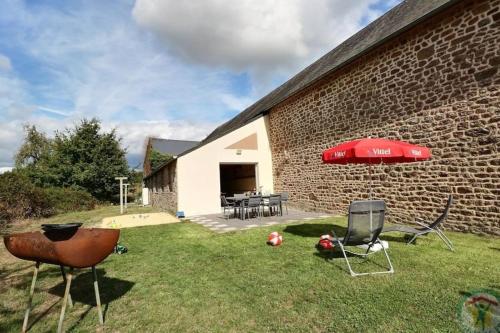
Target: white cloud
[[236, 103], [134, 134], [246, 35], [96, 63], [5, 169], [5, 63]]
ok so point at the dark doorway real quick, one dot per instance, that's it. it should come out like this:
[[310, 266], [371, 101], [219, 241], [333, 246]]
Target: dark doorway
[[237, 178]]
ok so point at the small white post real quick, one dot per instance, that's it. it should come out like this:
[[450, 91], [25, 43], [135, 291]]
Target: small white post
[[126, 195], [121, 179]]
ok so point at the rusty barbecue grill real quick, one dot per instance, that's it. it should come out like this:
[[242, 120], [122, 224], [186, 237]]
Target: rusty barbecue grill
[[65, 245]]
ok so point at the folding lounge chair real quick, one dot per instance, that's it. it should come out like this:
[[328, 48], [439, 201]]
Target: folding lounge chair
[[426, 228], [366, 221]]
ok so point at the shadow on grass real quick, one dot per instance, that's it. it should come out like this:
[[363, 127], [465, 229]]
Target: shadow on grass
[[314, 230], [82, 291], [14, 320], [4, 272], [337, 258], [82, 287], [399, 239], [494, 248]]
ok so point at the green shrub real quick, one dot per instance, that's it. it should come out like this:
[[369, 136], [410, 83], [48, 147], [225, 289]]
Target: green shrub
[[20, 199], [66, 199]]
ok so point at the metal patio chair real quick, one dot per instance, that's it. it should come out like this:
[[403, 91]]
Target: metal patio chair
[[253, 204], [366, 221], [284, 200], [274, 202], [226, 205], [426, 228]]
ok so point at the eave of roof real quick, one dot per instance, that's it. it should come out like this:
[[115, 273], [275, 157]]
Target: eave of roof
[[172, 147], [158, 168]]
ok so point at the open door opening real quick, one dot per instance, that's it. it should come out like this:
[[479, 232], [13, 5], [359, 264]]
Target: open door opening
[[237, 178]]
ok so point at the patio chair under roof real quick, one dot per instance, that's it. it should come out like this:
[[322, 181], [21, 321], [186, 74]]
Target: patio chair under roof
[[426, 228], [274, 202], [253, 204], [284, 200], [366, 221], [227, 206]]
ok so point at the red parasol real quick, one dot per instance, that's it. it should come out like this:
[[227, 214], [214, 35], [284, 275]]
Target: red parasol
[[375, 151]]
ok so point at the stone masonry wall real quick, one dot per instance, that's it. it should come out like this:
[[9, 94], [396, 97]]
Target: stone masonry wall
[[164, 200], [436, 85], [163, 188]]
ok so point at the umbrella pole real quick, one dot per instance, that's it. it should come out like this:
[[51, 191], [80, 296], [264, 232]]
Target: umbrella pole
[[370, 177], [371, 213]]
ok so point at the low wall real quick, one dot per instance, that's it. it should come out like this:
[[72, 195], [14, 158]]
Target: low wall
[[165, 200]]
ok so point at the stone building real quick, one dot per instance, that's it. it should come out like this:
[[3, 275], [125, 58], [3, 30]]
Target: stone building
[[426, 72]]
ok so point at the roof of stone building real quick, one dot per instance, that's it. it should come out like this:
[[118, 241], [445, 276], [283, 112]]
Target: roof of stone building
[[172, 147], [396, 21]]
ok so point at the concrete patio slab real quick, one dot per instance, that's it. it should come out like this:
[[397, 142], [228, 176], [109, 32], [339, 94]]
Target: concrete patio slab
[[218, 223]]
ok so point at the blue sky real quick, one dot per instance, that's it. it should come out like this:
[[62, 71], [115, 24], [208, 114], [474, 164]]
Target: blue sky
[[165, 68]]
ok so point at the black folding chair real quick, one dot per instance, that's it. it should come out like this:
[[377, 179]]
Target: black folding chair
[[426, 228], [226, 205], [366, 221]]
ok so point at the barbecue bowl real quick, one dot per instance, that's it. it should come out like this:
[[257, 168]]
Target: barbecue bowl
[[71, 247]]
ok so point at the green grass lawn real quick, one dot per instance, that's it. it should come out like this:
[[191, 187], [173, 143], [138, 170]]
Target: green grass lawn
[[185, 278]]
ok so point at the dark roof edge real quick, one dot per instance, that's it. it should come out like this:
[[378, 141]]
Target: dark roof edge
[[159, 167], [155, 138]]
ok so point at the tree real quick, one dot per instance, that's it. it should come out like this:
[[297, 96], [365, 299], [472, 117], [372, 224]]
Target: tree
[[83, 158], [35, 148], [34, 156], [88, 159], [157, 158]]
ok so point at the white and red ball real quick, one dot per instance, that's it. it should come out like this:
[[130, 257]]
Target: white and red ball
[[329, 237], [274, 239], [326, 242]]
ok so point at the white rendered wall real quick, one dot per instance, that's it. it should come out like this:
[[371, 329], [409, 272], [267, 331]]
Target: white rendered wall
[[198, 177]]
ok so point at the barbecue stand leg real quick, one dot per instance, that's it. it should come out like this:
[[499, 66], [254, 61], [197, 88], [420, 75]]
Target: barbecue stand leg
[[70, 301], [97, 297], [69, 276], [32, 291]]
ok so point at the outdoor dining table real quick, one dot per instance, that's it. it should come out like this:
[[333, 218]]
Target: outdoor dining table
[[240, 202]]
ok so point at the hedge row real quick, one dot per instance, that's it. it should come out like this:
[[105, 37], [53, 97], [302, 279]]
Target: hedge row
[[19, 199]]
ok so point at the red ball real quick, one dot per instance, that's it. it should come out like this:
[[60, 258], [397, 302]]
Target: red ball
[[326, 244], [274, 239]]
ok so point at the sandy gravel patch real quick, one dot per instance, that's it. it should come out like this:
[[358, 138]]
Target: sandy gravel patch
[[137, 220]]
